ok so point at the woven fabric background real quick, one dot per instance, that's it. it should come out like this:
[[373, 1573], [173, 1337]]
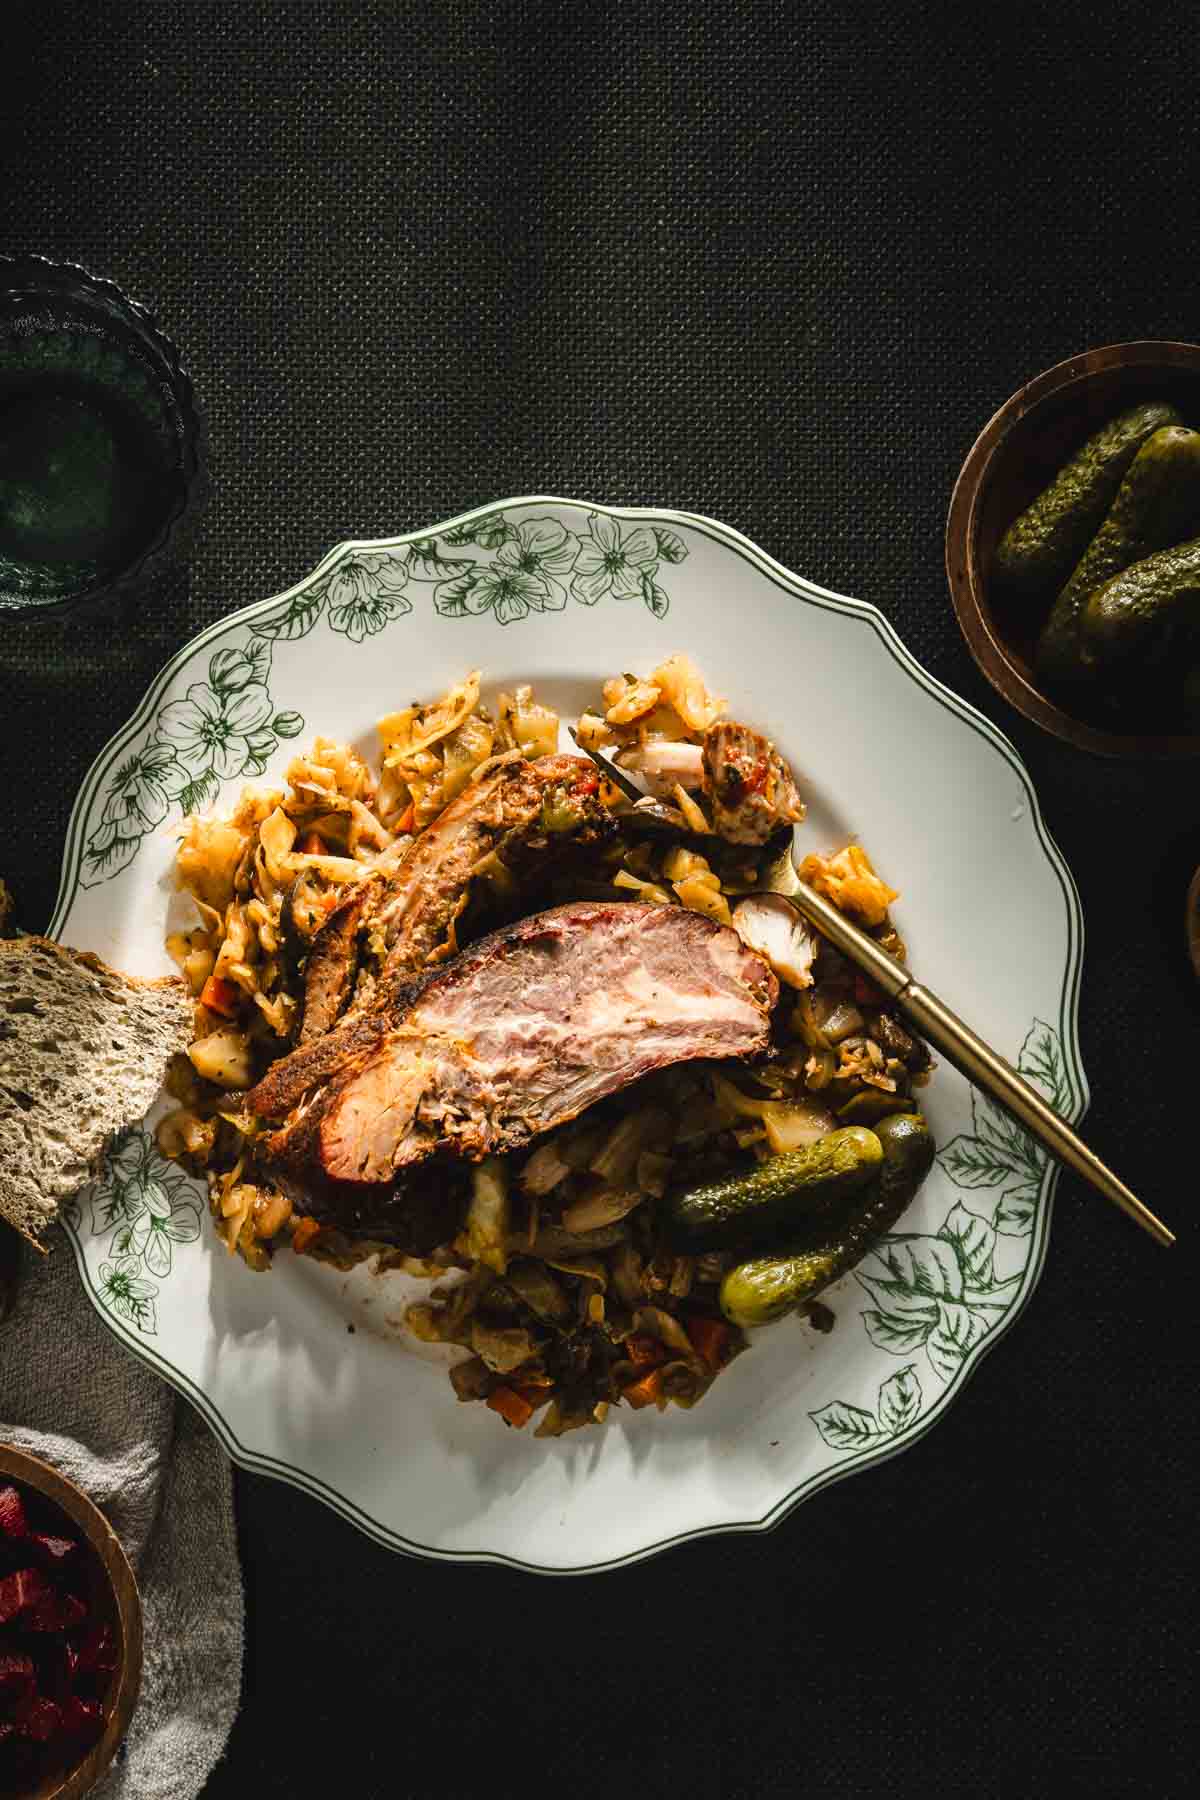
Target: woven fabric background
[[778, 263]]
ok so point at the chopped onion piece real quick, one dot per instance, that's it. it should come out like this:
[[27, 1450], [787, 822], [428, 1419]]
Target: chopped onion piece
[[588, 1268], [843, 1022], [224, 1058], [679, 863], [734, 1102], [615, 1161], [666, 1329], [489, 1214], [602, 1208], [648, 890], [791, 1124], [769, 924], [545, 1169], [698, 896], [664, 763], [692, 812], [592, 733], [502, 1347]]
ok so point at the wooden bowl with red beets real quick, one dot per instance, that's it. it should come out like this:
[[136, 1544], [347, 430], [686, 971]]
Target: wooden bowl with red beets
[[1016, 455], [72, 1613]]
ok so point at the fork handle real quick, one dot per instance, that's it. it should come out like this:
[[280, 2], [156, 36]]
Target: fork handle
[[975, 1059]]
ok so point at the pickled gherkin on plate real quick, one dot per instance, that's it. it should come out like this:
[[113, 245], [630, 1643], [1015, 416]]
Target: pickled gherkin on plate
[[740, 1211], [763, 1289]]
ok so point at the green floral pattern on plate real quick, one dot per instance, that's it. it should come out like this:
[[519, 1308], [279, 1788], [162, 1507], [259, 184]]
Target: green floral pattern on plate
[[846, 1427], [146, 1207], [999, 1154], [942, 1292], [364, 591], [527, 574], [221, 729], [538, 562]]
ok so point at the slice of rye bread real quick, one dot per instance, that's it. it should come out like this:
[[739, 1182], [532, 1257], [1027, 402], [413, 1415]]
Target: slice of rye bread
[[83, 1051]]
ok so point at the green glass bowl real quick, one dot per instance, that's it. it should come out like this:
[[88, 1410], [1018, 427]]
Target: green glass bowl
[[102, 468]]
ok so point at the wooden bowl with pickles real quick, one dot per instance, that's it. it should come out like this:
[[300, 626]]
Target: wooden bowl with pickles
[[1073, 550]]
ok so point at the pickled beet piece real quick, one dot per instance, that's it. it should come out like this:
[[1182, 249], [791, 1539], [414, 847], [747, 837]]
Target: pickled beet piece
[[55, 1612], [96, 1651], [16, 1677], [63, 1669], [53, 1549], [80, 1715], [38, 1718], [21, 1590], [13, 1523]]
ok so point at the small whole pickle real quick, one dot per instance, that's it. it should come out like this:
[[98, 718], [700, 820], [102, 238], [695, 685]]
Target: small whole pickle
[[763, 1289], [1137, 612], [1157, 505], [1041, 547], [755, 1208]]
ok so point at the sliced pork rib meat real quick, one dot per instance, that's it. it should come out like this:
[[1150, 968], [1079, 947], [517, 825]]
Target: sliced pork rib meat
[[749, 784], [522, 1032], [516, 810]]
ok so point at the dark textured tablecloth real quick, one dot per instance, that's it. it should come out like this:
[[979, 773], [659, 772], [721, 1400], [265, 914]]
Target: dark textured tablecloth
[[776, 263]]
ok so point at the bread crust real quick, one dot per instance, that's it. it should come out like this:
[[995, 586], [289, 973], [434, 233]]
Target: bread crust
[[83, 1051]]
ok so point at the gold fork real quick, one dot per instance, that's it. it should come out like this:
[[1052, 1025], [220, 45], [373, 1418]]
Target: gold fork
[[960, 1046]]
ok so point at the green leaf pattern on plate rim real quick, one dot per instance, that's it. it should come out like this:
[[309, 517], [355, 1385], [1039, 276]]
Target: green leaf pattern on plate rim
[[145, 1206], [228, 727], [222, 728], [943, 1292]]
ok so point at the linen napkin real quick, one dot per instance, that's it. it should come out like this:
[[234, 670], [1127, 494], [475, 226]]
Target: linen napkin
[[71, 1394]]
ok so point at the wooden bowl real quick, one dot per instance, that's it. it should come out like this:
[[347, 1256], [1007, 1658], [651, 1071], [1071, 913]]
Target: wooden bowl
[[1192, 922], [115, 1600], [1016, 455]]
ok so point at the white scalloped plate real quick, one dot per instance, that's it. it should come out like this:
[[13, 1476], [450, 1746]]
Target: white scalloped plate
[[562, 594]]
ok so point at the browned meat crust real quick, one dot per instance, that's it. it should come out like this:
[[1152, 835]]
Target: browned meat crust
[[333, 964]]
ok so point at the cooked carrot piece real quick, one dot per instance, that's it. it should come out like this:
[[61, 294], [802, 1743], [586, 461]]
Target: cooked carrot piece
[[407, 820], [536, 1393], [645, 1392], [312, 844], [304, 1234], [513, 1408], [710, 1337], [220, 995]]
